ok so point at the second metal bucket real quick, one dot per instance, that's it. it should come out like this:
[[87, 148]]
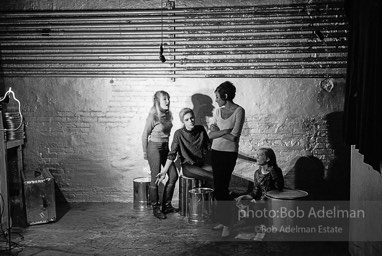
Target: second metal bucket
[[185, 185], [200, 205], [142, 193]]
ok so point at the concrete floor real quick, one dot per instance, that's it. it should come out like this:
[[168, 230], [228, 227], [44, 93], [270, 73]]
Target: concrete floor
[[118, 229]]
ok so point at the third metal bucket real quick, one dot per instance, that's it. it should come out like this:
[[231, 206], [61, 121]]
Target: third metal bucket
[[185, 185], [200, 205], [287, 199]]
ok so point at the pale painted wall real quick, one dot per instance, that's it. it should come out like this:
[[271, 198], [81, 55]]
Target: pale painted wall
[[366, 189]]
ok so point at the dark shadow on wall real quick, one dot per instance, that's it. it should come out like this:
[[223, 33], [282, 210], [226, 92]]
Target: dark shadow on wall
[[338, 174], [203, 108], [308, 173], [62, 205]]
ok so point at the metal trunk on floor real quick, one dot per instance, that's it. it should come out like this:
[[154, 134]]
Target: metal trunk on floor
[[40, 198]]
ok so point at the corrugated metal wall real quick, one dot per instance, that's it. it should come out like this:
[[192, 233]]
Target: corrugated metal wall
[[253, 41]]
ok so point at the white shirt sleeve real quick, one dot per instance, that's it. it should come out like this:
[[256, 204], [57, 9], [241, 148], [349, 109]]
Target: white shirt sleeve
[[239, 122]]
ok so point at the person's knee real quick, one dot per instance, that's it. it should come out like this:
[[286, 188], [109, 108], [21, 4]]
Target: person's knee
[[173, 179], [186, 172]]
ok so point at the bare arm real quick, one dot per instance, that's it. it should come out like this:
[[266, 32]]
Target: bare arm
[[216, 133], [243, 197], [171, 156], [230, 137], [238, 126], [162, 174], [229, 134]]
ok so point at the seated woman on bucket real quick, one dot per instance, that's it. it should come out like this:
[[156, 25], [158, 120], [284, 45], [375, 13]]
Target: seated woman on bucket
[[192, 144], [267, 177]]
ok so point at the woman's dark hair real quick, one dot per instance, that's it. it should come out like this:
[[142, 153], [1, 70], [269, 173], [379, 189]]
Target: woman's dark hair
[[226, 90], [271, 155]]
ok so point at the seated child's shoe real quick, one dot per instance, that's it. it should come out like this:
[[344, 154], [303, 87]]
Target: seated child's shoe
[[259, 237], [226, 232], [218, 227]]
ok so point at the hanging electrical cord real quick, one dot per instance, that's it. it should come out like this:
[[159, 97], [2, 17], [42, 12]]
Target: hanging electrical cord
[[18, 102], [161, 57]]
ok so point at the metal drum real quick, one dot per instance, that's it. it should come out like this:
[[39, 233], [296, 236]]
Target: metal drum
[[185, 185], [200, 205], [142, 193], [285, 200]]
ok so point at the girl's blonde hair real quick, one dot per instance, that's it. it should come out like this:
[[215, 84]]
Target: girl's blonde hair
[[158, 116]]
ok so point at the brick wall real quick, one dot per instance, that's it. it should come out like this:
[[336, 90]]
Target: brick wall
[[88, 131]]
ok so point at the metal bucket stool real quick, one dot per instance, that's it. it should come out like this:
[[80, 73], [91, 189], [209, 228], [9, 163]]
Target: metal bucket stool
[[185, 185], [288, 199], [200, 205], [142, 193]]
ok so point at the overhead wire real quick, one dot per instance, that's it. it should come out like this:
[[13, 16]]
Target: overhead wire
[[161, 56]]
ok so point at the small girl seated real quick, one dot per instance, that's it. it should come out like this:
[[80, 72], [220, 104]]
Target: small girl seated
[[268, 177]]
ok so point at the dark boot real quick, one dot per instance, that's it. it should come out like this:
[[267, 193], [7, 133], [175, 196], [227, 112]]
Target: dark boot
[[169, 209], [167, 197], [158, 213], [154, 196]]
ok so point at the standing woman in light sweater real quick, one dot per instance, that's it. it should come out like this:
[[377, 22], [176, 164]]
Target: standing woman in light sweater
[[225, 131], [155, 143]]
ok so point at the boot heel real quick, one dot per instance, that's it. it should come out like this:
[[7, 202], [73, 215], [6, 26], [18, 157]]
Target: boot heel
[[169, 209], [158, 213]]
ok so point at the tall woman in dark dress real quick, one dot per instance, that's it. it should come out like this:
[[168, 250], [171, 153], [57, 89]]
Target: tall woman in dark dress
[[155, 143], [225, 131]]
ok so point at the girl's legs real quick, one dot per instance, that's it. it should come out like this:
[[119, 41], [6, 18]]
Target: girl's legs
[[157, 156], [153, 157], [155, 152]]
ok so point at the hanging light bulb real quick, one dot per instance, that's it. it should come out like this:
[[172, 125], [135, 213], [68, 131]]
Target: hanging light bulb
[[319, 34], [161, 57]]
